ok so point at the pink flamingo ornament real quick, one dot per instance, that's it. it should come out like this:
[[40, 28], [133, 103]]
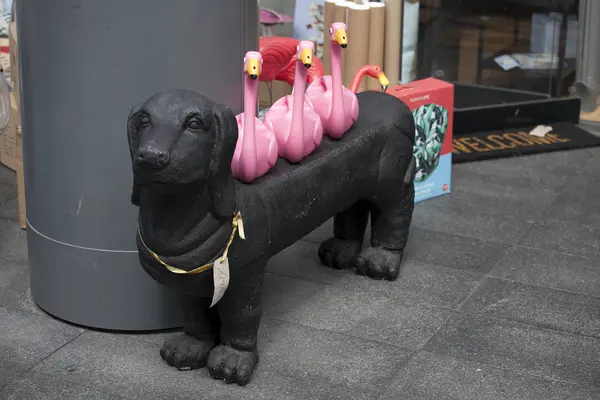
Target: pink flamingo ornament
[[256, 149], [296, 124], [336, 105]]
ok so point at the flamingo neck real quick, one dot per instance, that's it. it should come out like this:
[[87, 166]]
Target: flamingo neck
[[250, 98], [337, 101], [358, 77], [298, 98]]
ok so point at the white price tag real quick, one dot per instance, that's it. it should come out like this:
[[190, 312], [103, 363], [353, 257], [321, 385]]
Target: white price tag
[[221, 279]]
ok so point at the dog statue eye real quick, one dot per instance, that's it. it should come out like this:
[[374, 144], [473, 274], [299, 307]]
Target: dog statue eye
[[194, 125], [143, 121]]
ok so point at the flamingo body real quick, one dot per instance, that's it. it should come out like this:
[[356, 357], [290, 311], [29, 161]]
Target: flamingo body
[[336, 105], [256, 148], [246, 167], [294, 145], [293, 119], [320, 93], [279, 54]]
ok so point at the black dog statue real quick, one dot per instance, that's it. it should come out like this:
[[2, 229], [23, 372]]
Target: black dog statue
[[192, 214]]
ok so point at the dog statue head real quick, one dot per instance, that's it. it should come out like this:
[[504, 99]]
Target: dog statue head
[[180, 139]]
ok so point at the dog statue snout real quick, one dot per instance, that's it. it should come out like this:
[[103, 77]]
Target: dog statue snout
[[152, 158]]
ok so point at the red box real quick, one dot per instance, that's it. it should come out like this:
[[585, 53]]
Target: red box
[[431, 102]]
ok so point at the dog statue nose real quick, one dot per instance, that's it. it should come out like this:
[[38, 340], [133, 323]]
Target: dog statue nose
[[152, 158]]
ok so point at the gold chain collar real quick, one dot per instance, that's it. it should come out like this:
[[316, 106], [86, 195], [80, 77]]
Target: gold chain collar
[[238, 227]]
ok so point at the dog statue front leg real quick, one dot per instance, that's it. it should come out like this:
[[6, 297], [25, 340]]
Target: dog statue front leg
[[240, 311], [201, 335]]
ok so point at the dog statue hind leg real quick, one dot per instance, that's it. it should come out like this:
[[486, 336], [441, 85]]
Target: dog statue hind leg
[[349, 227], [389, 233], [390, 206]]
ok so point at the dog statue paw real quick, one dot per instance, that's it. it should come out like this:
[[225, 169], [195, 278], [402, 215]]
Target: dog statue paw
[[379, 263], [232, 365], [209, 236], [186, 352]]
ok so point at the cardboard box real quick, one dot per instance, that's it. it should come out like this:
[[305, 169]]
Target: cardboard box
[[10, 152], [5, 61], [432, 104], [14, 60], [9, 149]]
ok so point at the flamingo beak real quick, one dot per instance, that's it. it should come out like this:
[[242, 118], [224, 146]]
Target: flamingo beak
[[383, 81], [341, 38], [253, 68], [306, 57]]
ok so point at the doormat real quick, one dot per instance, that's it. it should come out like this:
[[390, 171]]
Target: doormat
[[518, 142]]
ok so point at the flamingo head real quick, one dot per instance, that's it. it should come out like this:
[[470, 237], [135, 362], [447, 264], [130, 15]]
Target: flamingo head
[[375, 71], [338, 33], [305, 53], [253, 62]]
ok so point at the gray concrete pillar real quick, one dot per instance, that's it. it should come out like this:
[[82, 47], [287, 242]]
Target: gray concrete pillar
[[83, 65]]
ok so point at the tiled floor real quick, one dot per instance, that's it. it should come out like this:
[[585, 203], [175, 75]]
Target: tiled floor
[[499, 298]]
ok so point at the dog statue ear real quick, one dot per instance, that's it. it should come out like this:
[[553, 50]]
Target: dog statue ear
[[134, 142], [220, 182]]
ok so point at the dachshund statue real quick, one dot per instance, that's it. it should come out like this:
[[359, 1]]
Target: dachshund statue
[[195, 219]]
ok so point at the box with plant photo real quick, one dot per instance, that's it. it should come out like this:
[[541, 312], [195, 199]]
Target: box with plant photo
[[432, 104]]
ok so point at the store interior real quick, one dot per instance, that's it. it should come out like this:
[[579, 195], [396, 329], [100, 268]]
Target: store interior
[[437, 238]]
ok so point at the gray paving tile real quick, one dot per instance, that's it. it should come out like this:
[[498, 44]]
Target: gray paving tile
[[576, 207], [452, 251], [327, 358], [538, 306], [7, 176], [431, 377], [513, 346], [478, 213], [359, 306], [419, 284], [367, 315], [578, 202], [10, 209], [550, 269], [567, 237], [156, 338], [592, 166], [49, 388], [454, 215], [14, 287], [302, 261], [526, 193], [26, 339], [424, 245], [450, 214], [13, 242], [295, 364]]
